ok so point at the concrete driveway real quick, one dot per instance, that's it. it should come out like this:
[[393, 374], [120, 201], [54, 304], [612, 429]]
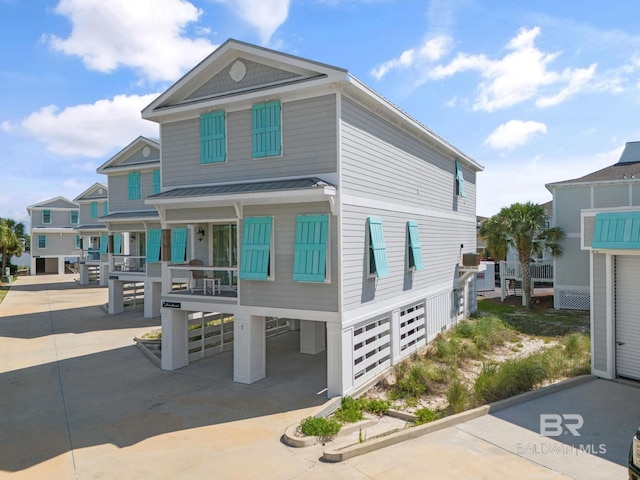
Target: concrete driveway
[[79, 400]]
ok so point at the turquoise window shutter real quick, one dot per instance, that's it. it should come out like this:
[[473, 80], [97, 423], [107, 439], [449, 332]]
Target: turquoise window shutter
[[42, 241], [105, 209], [104, 242], [459, 179], [310, 258], [134, 185], [94, 210], [267, 134], [77, 241], [376, 237], [74, 216], [117, 243], [256, 248], [178, 245], [213, 148], [154, 242], [46, 216], [156, 181], [415, 249]]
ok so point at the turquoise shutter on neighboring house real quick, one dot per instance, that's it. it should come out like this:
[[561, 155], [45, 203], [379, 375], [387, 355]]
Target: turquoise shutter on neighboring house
[[156, 181], [42, 241], [310, 258], [134, 185], [459, 179], [105, 209], [415, 249], [378, 247], [104, 242], [117, 243], [267, 137], [178, 245], [154, 242], [94, 210], [77, 241], [74, 216], [256, 248], [46, 216], [213, 144]]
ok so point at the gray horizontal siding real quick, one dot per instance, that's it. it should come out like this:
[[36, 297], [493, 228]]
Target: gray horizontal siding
[[85, 212], [379, 160], [572, 267], [309, 139], [96, 195], [137, 156], [599, 334], [589, 227], [635, 194], [440, 240], [119, 192], [283, 292], [57, 244], [610, 196], [195, 214], [568, 203], [59, 218]]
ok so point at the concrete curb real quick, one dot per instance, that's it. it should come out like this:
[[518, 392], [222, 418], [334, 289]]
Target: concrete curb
[[338, 453], [292, 440], [150, 355]]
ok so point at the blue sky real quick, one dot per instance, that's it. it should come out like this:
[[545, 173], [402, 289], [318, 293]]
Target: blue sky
[[536, 91]]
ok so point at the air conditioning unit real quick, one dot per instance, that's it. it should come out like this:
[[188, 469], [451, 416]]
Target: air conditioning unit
[[470, 259]]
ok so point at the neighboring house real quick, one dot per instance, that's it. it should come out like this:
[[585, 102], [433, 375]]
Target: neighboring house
[[290, 189], [607, 206], [575, 204], [93, 204], [53, 235], [133, 175]]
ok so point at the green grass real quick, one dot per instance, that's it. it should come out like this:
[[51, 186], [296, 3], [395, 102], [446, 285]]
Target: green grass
[[350, 411], [425, 415], [323, 428], [4, 289]]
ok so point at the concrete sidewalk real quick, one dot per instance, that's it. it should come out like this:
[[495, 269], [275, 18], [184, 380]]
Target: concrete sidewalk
[[79, 400]]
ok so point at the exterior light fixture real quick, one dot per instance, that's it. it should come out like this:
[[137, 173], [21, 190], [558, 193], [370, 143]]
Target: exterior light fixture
[[200, 234]]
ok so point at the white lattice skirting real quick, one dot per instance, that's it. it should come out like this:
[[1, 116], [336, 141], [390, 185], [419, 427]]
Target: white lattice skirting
[[573, 299]]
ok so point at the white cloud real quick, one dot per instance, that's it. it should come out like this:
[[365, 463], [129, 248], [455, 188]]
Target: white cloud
[[145, 35], [264, 15], [91, 130], [513, 134], [6, 126], [431, 50], [521, 74]]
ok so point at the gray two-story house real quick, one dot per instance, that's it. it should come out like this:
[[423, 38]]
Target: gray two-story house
[[133, 174], [93, 203], [54, 241], [291, 189]]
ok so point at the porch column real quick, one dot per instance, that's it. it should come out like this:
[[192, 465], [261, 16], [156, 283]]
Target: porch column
[[84, 274], [60, 265], [104, 274], [152, 293], [249, 349], [116, 297], [312, 337], [174, 339], [339, 360], [294, 324]]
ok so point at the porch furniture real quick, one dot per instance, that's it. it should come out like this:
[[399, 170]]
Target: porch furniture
[[211, 286]]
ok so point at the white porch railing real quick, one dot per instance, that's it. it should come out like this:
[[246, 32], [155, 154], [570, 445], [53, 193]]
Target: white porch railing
[[128, 263], [205, 281], [540, 272]]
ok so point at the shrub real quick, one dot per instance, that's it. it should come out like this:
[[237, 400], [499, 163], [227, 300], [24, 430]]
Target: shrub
[[498, 381], [459, 396], [376, 406], [577, 345], [425, 415], [323, 428], [416, 380], [350, 411]]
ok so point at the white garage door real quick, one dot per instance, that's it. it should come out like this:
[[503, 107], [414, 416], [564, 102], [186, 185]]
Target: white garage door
[[628, 316]]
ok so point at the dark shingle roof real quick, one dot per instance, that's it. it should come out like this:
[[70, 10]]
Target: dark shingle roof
[[91, 226], [130, 215], [254, 187], [619, 171]]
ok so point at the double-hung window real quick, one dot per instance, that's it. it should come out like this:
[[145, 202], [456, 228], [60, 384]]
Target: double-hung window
[[74, 217], [256, 257], [213, 142], [42, 241], [378, 265], [133, 181], [459, 180], [46, 216], [94, 210], [414, 248], [310, 258], [267, 134]]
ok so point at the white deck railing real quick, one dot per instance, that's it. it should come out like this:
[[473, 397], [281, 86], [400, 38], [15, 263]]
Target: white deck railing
[[206, 281], [128, 263], [540, 272]]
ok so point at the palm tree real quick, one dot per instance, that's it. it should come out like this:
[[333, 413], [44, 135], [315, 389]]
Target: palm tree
[[522, 226], [11, 235]]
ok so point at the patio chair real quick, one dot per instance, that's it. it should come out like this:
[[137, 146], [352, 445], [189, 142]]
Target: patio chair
[[196, 277]]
